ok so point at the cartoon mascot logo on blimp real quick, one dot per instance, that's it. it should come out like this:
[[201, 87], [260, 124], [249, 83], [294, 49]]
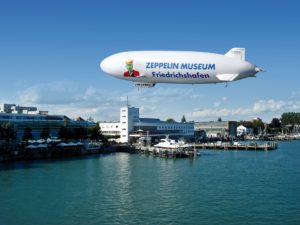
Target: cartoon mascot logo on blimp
[[130, 71]]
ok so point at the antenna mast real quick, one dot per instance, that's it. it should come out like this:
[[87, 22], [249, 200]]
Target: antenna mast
[[127, 102]]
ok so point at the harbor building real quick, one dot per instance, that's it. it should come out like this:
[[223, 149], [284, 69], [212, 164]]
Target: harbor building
[[128, 117], [242, 130], [132, 127], [110, 129], [21, 117], [217, 129]]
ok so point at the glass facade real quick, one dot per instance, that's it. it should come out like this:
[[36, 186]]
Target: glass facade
[[39, 122]]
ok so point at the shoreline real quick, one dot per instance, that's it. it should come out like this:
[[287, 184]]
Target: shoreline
[[12, 154]]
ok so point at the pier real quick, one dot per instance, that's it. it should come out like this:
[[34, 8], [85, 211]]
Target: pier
[[194, 149], [168, 153], [238, 146]]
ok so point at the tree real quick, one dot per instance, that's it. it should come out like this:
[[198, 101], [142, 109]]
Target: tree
[[183, 120], [170, 120], [275, 126], [27, 135], [7, 132], [289, 119], [257, 125], [275, 123], [247, 124], [94, 133]]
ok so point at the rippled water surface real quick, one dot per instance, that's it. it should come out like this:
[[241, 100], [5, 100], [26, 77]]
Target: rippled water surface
[[220, 187]]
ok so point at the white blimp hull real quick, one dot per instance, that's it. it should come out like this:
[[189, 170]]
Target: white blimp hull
[[146, 68]]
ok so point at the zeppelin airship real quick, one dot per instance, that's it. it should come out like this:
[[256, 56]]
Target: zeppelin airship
[[147, 68]]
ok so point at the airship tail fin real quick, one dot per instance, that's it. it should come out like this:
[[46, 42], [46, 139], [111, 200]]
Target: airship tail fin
[[238, 53]]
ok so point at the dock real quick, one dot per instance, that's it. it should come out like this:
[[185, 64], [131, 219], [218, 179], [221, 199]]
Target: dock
[[194, 149], [245, 147], [167, 153]]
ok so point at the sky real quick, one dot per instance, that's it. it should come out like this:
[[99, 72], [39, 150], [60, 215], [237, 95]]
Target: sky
[[50, 53]]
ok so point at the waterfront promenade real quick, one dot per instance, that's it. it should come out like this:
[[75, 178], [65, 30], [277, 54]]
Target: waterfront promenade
[[10, 153]]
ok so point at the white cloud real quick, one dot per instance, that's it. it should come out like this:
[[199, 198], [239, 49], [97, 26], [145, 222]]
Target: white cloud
[[268, 106], [208, 113], [217, 104], [295, 93], [51, 93], [221, 102], [260, 108], [148, 111], [240, 111], [212, 114], [63, 97], [159, 94], [275, 106]]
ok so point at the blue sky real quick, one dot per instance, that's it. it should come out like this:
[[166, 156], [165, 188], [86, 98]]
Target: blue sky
[[50, 53]]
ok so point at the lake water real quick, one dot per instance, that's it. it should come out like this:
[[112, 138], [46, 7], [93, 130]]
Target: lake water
[[220, 187]]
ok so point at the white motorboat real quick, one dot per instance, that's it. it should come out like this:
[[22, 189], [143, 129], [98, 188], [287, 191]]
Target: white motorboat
[[170, 144]]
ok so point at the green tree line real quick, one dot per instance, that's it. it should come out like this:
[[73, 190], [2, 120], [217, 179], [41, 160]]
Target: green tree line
[[287, 121], [290, 118]]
